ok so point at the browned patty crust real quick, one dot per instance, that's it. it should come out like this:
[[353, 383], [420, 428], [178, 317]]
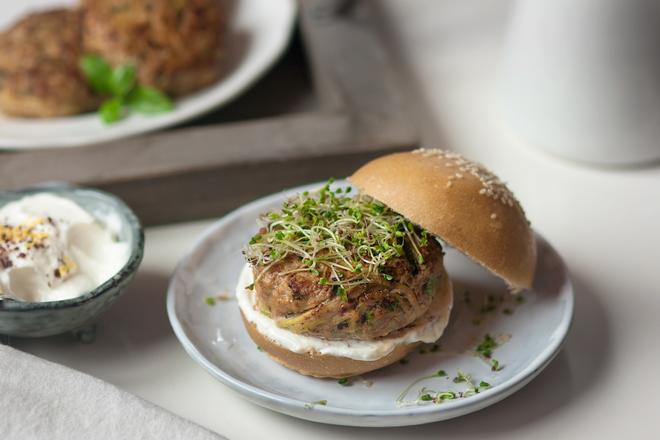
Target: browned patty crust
[[315, 364], [175, 44], [298, 302], [48, 35], [39, 74]]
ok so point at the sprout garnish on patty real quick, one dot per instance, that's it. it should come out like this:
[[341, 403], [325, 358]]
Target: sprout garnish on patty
[[332, 231]]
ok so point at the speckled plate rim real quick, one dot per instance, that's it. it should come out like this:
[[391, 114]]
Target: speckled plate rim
[[351, 417], [131, 266]]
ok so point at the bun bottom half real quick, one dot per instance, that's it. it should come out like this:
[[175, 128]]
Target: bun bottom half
[[327, 366]]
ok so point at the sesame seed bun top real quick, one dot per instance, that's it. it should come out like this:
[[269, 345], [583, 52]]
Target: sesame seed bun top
[[460, 202]]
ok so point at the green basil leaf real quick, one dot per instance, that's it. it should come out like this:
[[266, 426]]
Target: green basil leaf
[[122, 80], [111, 110], [97, 72], [149, 100]]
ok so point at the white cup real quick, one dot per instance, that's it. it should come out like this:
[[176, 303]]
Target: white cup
[[581, 78]]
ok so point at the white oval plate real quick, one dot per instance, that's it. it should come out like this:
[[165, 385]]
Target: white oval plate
[[259, 31], [215, 338]]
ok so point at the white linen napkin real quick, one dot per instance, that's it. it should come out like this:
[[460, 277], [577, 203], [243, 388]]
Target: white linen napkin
[[43, 400]]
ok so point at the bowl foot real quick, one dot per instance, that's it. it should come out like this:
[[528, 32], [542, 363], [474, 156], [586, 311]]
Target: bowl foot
[[85, 334]]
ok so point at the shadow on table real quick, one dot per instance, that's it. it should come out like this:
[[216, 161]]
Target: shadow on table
[[566, 381], [140, 316], [136, 323]]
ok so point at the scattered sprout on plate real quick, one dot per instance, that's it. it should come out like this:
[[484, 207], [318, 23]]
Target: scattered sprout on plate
[[486, 346], [426, 394], [485, 351], [345, 381], [311, 405], [212, 300]]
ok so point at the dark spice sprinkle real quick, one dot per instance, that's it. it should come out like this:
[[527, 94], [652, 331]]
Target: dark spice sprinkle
[[422, 350], [6, 262], [435, 348], [507, 311], [403, 361], [520, 299], [259, 348]]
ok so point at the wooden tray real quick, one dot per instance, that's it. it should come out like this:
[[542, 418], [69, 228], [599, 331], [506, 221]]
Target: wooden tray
[[333, 102]]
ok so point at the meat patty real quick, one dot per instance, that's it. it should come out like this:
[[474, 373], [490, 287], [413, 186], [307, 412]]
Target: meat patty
[[299, 302], [175, 44], [39, 74]]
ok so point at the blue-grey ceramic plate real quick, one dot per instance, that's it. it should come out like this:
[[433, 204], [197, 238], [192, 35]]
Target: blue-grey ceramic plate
[[531, 332], [50, 318]]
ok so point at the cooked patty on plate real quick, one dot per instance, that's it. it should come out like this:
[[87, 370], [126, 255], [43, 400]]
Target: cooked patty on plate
[[39, 74], [298, 301], [175, 44]]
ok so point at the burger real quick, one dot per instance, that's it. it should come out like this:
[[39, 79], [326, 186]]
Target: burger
[[349, 279]]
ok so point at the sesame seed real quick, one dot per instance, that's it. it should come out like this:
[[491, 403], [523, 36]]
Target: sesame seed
[[491, 185]]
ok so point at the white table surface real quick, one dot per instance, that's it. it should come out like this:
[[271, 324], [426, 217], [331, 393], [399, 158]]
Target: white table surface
[[605, 223]]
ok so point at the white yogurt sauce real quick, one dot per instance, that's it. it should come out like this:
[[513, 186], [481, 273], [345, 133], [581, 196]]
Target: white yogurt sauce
[[52, 249], [352, 348]]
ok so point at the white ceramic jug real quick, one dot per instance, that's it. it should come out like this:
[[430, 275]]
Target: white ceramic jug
[[581, 78]]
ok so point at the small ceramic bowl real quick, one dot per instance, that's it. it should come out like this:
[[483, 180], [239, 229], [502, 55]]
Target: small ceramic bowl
[[27, 319]]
